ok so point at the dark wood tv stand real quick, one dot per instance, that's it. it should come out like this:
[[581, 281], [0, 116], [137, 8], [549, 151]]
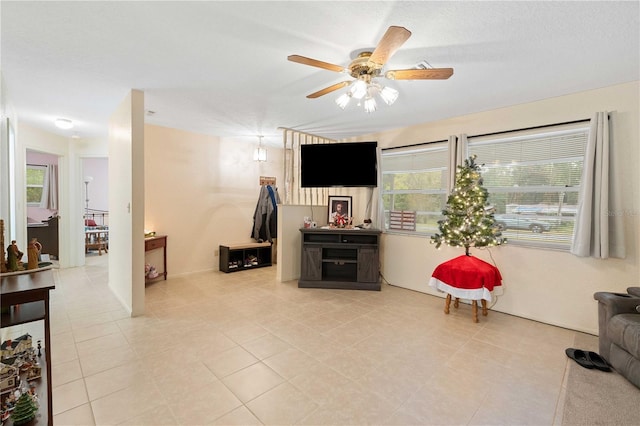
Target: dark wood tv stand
[[340, 258]]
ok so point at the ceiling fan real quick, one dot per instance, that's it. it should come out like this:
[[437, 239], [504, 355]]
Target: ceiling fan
[[368, 66]]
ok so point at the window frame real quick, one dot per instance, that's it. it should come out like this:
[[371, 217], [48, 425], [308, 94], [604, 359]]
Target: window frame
[[537, 133], [522, 237], [418, 149], [44, 169]]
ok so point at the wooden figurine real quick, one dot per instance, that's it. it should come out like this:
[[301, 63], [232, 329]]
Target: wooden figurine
[[13, 257], [33, 253]]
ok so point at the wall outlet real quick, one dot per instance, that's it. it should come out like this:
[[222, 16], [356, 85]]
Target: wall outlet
[[216, 253]]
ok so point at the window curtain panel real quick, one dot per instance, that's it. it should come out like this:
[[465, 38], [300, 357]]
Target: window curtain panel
[[457, 150], [49, 198], [598, 231]]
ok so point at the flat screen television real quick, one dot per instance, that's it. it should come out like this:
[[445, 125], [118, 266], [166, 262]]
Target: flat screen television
[[339, 164]]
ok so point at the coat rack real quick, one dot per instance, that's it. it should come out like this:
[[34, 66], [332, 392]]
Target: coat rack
[[267, 180]]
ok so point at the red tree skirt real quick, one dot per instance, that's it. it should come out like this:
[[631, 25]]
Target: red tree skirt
[[466, 277]]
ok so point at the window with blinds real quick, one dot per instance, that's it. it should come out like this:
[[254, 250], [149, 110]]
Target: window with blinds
[[414, 184], [35, 184], [533, 179]]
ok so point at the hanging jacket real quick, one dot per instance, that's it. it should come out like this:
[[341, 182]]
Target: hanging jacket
[[265, 217]]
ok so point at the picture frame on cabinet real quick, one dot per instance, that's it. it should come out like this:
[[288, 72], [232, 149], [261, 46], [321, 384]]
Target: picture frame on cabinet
[[340, 208]]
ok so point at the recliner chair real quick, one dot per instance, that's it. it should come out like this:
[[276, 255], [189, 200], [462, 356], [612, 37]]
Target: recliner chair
[[619, 331]]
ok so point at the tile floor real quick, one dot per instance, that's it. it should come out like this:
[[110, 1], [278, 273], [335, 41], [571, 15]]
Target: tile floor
[[242, 348]]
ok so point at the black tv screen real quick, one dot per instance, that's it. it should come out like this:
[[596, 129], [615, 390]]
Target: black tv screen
[[338, 164]]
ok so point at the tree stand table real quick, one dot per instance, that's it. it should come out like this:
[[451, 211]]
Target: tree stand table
[[474, 306], [466, 277]]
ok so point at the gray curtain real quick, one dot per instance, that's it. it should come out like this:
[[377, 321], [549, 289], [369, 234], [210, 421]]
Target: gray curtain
[[50, 189], [598, 230], [457, 151]]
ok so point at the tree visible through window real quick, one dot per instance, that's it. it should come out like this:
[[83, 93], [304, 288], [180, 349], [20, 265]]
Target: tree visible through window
[[35, 184], [533, 178], [533, 182]]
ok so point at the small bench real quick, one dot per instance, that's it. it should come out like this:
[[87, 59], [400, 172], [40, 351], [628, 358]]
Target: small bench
[[242, 256]]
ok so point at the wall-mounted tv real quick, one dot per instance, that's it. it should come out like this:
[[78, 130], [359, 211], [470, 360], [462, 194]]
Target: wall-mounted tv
[[338, 164]]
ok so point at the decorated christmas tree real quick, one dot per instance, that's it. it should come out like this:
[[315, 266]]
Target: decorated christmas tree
[[468, 218], [25, 410]]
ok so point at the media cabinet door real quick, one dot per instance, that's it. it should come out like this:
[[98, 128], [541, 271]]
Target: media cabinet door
[[368, 265], [311, 268]]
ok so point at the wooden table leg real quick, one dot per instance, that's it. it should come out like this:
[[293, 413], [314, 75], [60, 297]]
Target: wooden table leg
[[484, 307], [456, 303], [474, 305], [447, 303]]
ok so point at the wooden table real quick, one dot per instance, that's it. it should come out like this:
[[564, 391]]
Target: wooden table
[[96, 239], [156, 242], [27, 298]]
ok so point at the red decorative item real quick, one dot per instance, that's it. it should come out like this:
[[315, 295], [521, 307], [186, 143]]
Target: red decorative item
[[466, 277]]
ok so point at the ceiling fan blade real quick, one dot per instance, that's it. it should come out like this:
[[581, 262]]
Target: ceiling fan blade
[[420, 74], [391, 41], [315, 63], [328, 89]]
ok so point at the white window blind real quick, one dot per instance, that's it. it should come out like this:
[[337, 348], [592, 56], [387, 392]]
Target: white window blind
[[533, 179], [414, 181]]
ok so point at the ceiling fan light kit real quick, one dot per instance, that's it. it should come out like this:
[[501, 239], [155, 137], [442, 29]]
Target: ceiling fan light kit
[[367, 67], [389, 95], [343, 100], [359, 89], [370, 104]]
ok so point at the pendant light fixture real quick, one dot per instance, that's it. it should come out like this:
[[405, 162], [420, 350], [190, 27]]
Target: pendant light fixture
[[260, 153]]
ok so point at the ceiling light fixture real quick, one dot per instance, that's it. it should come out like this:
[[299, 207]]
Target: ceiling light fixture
[[368, 89], [260, 153], [63, 123]]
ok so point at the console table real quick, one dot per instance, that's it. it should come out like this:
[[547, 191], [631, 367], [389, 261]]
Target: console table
[[340, 258], [25, 297], [156, 242]]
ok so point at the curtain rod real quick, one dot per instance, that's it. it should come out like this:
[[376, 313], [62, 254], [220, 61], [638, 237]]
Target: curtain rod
[[542, 126], [39, 165], [414, 144], [495, 133]]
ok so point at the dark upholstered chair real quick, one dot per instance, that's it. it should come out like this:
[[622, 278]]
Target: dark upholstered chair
[[619, 331]]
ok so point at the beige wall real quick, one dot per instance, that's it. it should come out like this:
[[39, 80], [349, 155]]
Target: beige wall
[[126, 202], [554, 287], [290, 220], [201, 191]]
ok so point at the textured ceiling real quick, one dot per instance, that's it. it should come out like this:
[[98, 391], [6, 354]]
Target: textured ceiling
[[220, 68]]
